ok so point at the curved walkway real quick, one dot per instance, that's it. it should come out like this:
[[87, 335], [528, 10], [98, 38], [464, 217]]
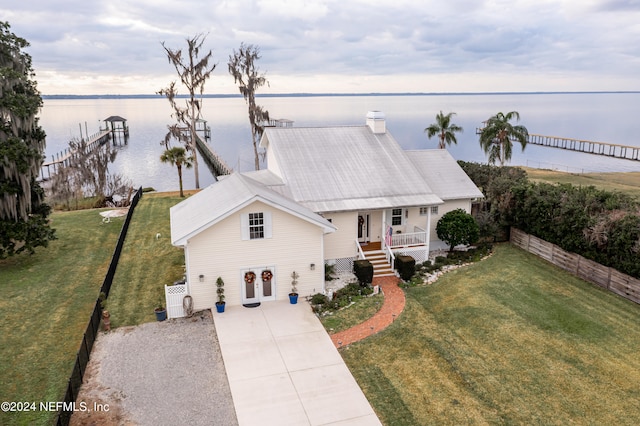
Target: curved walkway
[[392, 308]]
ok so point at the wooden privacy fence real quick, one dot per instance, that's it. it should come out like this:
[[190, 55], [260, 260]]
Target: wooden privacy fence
[[91, 332], [595, 273]]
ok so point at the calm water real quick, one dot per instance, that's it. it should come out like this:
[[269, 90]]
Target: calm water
[[604, 117]]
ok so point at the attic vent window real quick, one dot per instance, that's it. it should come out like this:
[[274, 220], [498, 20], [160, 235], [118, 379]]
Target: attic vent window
[[256, 226]]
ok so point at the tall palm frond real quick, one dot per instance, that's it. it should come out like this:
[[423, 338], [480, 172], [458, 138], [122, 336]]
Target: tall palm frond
[[445, 130], [497, 136]]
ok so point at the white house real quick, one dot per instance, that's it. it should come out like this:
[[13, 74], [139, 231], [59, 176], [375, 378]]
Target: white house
[[328, 195]]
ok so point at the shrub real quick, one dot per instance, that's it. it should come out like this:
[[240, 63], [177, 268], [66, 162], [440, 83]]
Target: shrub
[[363, 270], [406, 266], [329, 270], [457, 227], [319, 299]]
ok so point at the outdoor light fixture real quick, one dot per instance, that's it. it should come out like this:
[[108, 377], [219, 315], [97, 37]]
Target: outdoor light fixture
[[313, 266], [201, 278]]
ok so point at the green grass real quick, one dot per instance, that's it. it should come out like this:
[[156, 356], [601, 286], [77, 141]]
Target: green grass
[[47, 298], [147, 263], [44, 309], [511, 339], [345, 318], [628, 183]]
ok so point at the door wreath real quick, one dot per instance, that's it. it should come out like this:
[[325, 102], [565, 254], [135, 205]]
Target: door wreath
[[266, 275], [249, 277]]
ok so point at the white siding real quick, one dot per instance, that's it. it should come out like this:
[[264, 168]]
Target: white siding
[[220, 252], [448, 206], [342, 243]]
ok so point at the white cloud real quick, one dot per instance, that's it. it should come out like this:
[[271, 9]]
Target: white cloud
[[338, 45]]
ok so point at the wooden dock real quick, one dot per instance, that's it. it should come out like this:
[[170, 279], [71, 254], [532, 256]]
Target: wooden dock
[[215, 163], [64, 158], [625, 152]]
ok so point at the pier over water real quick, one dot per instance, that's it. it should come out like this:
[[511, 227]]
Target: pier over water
[[625, 152]]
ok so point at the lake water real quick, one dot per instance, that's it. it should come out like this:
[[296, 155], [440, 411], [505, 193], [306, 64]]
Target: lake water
[[603, 117]]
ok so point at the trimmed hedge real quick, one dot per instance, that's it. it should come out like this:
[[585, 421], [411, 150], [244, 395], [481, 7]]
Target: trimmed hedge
[[406, 266], [363, 270]]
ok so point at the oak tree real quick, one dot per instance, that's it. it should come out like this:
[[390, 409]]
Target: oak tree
[[23, 212]]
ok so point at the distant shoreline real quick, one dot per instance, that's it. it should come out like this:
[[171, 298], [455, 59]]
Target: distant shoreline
[[302, 95]]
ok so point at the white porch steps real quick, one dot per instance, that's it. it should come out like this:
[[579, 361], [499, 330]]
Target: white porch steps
[[378, 259]]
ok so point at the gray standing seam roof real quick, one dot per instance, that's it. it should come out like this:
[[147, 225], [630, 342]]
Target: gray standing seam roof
[[444, 174], [222, 198], [347, 168]]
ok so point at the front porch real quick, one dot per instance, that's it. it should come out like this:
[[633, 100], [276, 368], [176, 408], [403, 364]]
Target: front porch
[[383, 234]]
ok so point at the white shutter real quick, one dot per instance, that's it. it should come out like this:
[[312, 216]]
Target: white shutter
[[244, 226], [266, 216]]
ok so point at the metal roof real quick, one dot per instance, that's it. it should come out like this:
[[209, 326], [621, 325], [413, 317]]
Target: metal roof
[[444, 174], [346, 168], [114, 118], [223, 198]]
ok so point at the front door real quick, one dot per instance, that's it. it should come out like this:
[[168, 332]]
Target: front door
[[258, 285], [363, 227]]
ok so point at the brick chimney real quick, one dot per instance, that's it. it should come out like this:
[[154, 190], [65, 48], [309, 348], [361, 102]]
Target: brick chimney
[[376, 122]]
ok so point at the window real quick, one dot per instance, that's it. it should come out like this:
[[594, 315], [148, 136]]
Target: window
[[256, 226], [424, 211], [396, 217], [434, 210]]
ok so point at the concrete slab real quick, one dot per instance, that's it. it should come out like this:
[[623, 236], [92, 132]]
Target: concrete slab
[[284, 369]]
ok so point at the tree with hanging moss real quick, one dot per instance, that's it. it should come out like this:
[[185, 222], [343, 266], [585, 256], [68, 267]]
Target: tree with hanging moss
[[24, 215], [193, 71], [242, 66]]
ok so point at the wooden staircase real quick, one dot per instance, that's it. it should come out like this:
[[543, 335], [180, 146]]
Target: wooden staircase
[[381, 268]]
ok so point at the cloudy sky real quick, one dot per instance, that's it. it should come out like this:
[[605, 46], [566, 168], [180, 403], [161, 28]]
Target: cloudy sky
[[358, 46]]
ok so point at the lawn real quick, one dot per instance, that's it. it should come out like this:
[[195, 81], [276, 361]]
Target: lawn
[[628, 183], [352, 315], [48, 297], [510, 340], [45, 306], [148, 262]]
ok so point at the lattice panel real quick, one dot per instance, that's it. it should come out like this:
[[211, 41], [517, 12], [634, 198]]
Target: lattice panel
[[344, 264], [176, 289], [419, 255]]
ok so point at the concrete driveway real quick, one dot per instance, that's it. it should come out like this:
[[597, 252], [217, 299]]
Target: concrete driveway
[[283, 368]]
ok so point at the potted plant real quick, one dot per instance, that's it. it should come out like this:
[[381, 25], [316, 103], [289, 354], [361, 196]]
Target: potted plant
[[220, 291], [160, 311], [293, 296]]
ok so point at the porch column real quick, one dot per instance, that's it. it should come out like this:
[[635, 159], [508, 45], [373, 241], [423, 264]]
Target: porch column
[[428, 239], [383, 233]]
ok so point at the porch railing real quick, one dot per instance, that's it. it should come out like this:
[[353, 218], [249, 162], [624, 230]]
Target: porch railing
[[360, 252], [408, 239], [391, 258]]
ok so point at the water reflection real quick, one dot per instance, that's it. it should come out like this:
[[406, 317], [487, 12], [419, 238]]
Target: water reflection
[[601, 117]]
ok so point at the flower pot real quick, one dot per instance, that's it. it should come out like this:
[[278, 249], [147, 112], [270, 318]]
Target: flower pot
[[220, 307], [161, 314], [293, 298]]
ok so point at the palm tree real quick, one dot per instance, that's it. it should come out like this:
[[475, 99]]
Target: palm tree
[[496, 136], [444, 129], [177, 156]]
